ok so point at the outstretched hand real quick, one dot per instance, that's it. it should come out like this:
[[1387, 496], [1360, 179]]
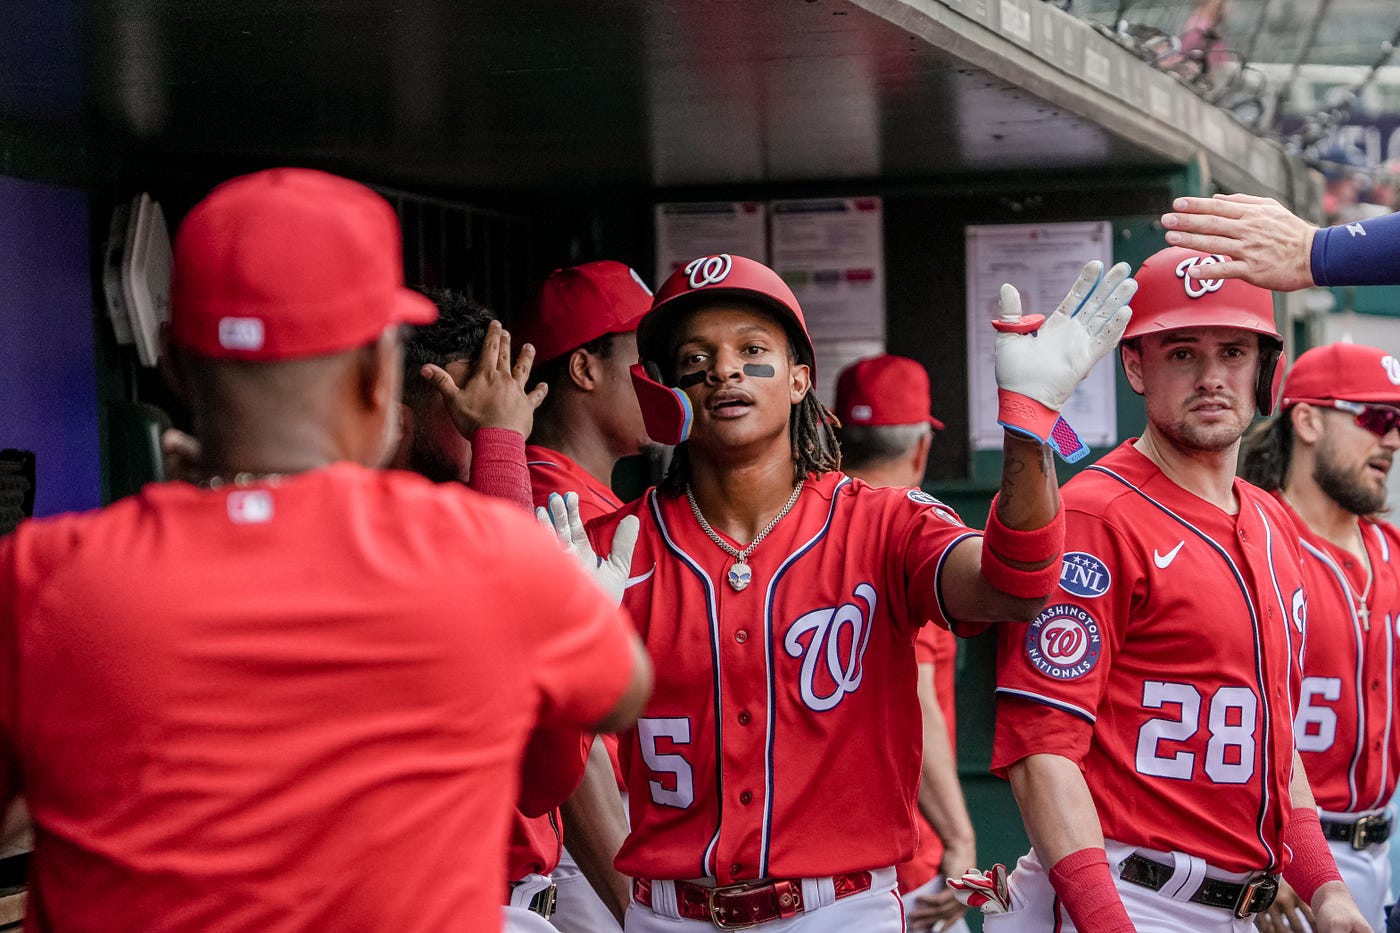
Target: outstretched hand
[[563, 518], [1268, 246], [1044, 360], [493, 394]]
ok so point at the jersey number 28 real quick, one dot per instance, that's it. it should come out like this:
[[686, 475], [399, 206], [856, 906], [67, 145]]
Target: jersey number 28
[[1230, 721]]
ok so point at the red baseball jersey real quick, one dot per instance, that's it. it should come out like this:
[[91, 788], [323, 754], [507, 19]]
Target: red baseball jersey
[[1344, 726], [783, 736], [288, 707], [536, 842], [938, 647], [1166, 664]]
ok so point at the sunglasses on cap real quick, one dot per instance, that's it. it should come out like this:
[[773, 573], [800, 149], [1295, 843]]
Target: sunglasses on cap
[[1380, 420]]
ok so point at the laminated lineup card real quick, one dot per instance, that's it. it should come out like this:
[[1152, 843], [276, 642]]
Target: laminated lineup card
[[1042, 261]]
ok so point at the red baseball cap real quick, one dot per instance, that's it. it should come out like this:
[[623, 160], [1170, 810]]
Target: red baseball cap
[[289, 263], [580, 304], [1347, 372], [721, 276], [884, 390]]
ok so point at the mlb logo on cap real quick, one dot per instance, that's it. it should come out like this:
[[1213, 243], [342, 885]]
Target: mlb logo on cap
[[884, 390]]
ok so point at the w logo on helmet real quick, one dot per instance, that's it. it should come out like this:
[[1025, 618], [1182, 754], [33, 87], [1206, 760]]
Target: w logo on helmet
[[1197, 288], [709, 270]]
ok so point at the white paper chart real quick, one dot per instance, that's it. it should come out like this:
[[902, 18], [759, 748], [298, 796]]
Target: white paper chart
[[1042, 261]]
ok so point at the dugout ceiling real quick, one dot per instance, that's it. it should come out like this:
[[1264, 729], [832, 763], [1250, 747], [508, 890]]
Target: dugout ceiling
[[638, 94]]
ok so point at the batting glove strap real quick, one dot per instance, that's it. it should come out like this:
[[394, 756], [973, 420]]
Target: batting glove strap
[[1312, 864], [1037, 545], [1023, 415], [1085, 886]]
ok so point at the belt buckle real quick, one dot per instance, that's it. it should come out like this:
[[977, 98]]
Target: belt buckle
[[1361, 828], [719, 922], [1265, 887], [545, 902]]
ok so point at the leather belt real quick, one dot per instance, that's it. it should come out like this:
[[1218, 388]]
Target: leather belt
[[543, 903], [741, 906], [1362, 833], [1242, 897]]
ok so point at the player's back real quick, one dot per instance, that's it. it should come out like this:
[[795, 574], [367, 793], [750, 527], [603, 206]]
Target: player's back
[[288, 707]]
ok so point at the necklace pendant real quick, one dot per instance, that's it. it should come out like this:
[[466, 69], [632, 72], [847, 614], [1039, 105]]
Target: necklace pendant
[[740, 576]]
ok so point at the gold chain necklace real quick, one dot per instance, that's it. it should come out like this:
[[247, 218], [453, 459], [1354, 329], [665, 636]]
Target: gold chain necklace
[[740, 574]]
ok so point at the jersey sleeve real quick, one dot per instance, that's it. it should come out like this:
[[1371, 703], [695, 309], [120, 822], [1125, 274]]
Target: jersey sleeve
[[1053, 672], [1361, 253], [930, 530], [578, 643]]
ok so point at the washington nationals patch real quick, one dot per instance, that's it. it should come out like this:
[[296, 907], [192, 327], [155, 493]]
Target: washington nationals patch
[[1064, 642]]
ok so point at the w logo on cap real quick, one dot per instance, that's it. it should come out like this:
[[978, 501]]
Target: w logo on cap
[[709, 270], [1197, 288]]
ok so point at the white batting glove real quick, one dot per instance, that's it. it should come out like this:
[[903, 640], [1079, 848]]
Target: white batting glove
[[562, 517], [1040, 361], [986, 890]]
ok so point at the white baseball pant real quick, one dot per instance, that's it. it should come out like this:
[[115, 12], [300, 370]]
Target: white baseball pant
[[517, 917], [878, 910], [1035, 908], [579, 909], [932, 886]]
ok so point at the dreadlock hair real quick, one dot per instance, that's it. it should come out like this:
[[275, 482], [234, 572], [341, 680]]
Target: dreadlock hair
[[1268, 449], [457, 334], [811, 432]]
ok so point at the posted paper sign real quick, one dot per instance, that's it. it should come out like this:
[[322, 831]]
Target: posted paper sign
[[687, 231], [1042, 261]]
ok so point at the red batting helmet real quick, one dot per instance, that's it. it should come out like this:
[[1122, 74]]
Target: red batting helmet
[[720, 276], [1169, 299], [666, 410]]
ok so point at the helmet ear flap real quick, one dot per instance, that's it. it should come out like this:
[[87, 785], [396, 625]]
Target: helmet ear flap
[[1272, 363]]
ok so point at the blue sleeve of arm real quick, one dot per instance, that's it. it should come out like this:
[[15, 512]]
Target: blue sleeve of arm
[[1362, 253]]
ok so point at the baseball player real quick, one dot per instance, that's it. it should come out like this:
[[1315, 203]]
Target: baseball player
[[1145, 716], [457, 376], [1326, 457], [582, 322], [1270, 247], [886, 431], [258, 703], [772, 779]]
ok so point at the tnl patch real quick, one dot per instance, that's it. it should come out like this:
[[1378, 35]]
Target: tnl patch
[[1084, 575], [1064, 642]]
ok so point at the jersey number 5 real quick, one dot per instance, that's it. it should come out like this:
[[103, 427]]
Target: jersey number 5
[[1230, 751], [672, 767]]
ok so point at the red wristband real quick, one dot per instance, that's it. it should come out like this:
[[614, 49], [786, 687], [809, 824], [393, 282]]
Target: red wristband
[[498, 466], [1000, 544], [1085, 886], [1311, 865]]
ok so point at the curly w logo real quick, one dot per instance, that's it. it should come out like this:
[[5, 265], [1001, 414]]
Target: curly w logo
[[832, 658]]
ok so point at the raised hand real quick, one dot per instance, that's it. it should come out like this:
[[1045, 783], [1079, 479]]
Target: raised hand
[[1040, 361], [562, 517], [493, 394]]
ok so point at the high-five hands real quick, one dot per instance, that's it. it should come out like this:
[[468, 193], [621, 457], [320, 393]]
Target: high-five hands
[[1040, 361], [562, 517], [493, 394]]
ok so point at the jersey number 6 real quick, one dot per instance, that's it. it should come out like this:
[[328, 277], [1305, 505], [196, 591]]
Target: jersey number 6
[[1230, 751]]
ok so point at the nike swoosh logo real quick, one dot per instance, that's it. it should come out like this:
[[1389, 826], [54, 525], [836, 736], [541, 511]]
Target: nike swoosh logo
[[633, 581], [1163, 561]]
